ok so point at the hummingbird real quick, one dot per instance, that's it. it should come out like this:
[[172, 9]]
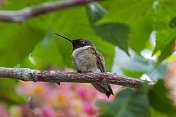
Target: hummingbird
[[87, 59]]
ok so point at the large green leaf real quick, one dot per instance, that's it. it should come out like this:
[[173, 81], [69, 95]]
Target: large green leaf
[[159, 99], [17, 41], [140, 33], [132, 74], [155, 113], [164, 26], [28, 63], [137, 14], [115, 33], [165, 40], [127, 103], [127, 11], [164, 14], [167, 51]]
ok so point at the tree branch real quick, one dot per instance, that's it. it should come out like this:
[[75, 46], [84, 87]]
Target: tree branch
[[24, 14], [26, 74]]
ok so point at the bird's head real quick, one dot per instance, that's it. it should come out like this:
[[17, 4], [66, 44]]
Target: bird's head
[[78, 42]]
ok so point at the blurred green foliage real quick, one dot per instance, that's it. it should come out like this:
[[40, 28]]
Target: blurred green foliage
[[125, 24], [159, 100], [8, 95], [145, 101], [134, 13], [115, 33], [127, 103], [144, 16]]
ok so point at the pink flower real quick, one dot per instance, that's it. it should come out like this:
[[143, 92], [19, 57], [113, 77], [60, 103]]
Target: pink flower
[[83, 93], [3, 112], [46, 112], [86, 94], [65, 100], [26, 112], [89, 109]]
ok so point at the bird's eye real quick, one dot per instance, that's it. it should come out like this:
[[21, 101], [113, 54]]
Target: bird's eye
[[82, 42]]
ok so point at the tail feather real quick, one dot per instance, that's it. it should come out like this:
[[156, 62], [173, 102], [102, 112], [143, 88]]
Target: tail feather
[[110, 92], [110, 89], [102, 89]]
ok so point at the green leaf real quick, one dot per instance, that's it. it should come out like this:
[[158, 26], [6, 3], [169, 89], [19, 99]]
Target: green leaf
[[166, 52], [27, 63], [95, 12], [164, 14], [163, 38], [137, 14], [127, 103], [155, 113], [133, 74], [164, 42], [127, 11], [164, 24], [115, 33], [173, 22], [17, 42], [140, 33], [159, 99]]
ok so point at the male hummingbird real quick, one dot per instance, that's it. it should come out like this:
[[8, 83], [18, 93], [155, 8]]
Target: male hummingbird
[[86, 59]]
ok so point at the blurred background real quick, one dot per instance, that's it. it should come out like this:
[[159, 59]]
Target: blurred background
[[136, 38]]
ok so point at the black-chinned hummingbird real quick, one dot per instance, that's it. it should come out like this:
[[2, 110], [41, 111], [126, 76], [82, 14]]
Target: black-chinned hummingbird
[[87, 59]]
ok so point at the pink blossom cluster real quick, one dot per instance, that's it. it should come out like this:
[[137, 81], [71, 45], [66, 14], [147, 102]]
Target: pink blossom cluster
[[52, 100]]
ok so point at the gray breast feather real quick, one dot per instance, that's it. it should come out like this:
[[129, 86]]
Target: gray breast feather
[[84, 60]]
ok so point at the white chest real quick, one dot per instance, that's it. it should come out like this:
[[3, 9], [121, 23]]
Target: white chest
[[79, 51], [84, 60]]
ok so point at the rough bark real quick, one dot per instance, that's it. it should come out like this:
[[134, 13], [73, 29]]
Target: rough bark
[[20, 16], [26, 74]]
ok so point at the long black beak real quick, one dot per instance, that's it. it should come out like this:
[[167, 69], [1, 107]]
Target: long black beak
[[64, 37]]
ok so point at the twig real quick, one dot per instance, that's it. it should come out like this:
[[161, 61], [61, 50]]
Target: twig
[[24, 14], [26, 74]]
